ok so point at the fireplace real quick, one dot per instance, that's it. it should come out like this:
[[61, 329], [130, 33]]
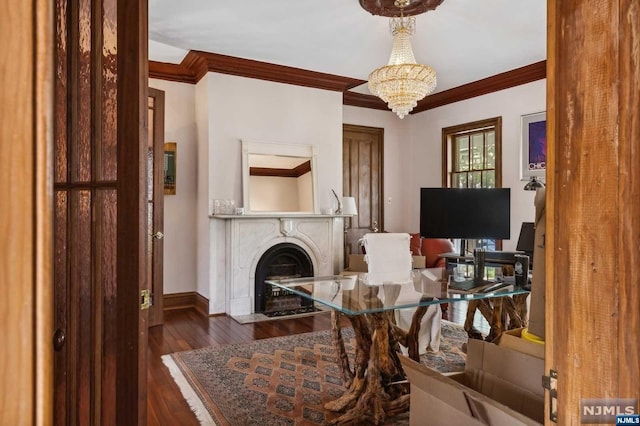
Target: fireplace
[[284, 260], [241, 242]]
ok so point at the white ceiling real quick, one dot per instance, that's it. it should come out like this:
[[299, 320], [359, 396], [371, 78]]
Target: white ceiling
[[463, 40]]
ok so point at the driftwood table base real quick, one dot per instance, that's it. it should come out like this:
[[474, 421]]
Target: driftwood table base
[[497, 311], [373, 393]]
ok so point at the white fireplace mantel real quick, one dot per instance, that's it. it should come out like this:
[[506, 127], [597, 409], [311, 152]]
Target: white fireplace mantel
[[243, 239]]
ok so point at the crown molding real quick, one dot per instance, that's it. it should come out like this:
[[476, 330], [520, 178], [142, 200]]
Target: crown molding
[[195, 65], [505, 80], [363, 100], [279, 73], [171, 72]]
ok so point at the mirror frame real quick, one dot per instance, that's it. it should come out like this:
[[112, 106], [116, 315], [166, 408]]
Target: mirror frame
[[281, 149]]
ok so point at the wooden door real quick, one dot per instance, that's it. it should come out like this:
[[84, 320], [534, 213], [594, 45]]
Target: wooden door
[[593, 199], [26, 104], [155, 212], [362, 171], [99, 200]]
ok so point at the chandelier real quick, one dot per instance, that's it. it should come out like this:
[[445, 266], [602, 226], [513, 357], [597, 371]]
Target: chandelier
[[402, 82]]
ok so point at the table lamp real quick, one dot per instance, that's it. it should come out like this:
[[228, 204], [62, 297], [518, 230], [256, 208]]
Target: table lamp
[[349, 206]]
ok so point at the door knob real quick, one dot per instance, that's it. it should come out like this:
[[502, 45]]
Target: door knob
[[158, 235], [58, 340]]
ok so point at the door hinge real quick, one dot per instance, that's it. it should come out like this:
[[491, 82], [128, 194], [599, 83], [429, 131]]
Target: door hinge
[[145, 299], [550, 383]]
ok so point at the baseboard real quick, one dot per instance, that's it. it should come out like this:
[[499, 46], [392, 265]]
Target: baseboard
[[186, 300], [202, 304]]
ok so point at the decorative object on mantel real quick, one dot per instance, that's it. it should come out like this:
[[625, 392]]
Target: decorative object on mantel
[[533, 184], [224, 207], [402, 82], [339, 208]]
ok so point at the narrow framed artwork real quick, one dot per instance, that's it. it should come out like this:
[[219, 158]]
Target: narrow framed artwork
[[534, 145], [170, 164]]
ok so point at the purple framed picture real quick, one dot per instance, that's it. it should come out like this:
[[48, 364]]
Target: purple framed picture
[[534, 145]]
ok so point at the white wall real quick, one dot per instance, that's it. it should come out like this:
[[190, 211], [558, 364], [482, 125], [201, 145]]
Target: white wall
[[179, 266], [242, 108], [425, 154], [202, 207], [209, 120]]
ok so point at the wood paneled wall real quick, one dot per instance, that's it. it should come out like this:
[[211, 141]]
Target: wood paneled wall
[[593, 201]]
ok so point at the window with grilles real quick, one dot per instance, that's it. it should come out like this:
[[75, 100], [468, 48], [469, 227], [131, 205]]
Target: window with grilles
[[472, 158]]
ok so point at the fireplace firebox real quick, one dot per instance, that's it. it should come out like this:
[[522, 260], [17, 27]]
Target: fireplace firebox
[[284, 260]]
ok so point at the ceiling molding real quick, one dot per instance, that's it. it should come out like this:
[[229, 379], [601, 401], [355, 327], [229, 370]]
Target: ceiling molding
[[195, 65], [363, 100], [171, 72], [199, 63], [505, 80], [279, 73]]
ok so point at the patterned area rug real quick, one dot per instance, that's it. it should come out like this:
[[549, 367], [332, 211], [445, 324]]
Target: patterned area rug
[[282, 380]]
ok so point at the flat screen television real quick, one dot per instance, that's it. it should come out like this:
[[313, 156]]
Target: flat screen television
[[465, 213]]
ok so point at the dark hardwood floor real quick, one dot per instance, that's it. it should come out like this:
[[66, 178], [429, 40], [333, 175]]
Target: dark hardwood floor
[[186, 329]]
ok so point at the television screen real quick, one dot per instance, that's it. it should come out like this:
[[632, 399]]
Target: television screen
[[466, 213]]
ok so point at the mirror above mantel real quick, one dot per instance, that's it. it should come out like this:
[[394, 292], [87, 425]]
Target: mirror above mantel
[[279, 178]]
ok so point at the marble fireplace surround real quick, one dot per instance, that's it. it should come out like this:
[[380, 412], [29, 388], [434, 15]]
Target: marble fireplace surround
[[247, 237]]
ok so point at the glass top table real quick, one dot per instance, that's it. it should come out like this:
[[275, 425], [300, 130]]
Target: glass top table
[[367, 301], [362, 294]]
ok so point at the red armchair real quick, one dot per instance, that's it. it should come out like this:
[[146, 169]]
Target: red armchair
[[431, 248]]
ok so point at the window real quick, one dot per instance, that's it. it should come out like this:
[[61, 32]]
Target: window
[[472, 158]]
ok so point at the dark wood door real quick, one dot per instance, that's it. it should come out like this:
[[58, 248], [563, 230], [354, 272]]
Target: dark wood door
[[362, 172], [100, 204], [155, 212]]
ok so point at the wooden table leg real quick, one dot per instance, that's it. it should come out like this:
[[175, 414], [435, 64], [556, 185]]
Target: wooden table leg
[[338, 344], [472, 332], [373, 396], [413, 341], [521, 307], [512, 311], [363, 354], [497, 326]]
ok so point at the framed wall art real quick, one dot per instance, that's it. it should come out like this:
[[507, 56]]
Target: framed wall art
[[170, 163], [534, 145]]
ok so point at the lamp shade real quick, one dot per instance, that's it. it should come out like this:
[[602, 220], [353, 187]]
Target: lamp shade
[[349, 206]]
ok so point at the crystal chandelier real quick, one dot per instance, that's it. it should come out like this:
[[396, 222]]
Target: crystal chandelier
[[402, 82]]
